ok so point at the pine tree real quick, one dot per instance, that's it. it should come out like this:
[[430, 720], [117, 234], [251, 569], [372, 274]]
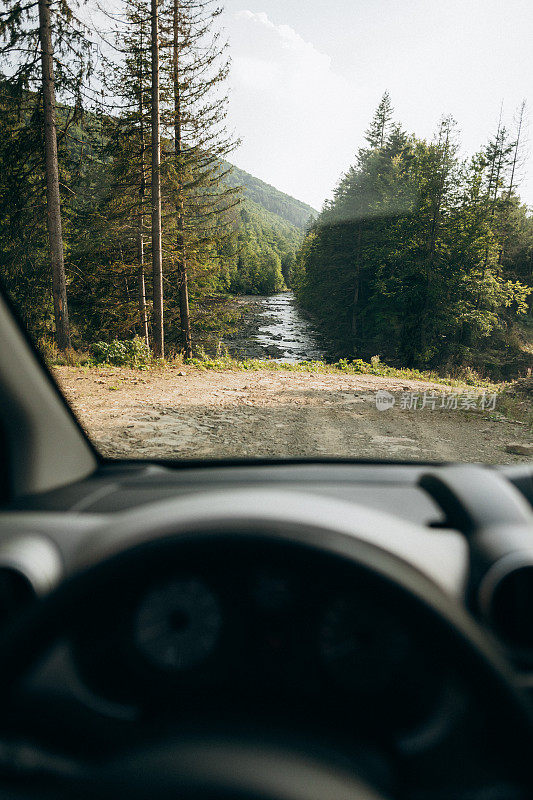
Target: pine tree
[[520, 123], [196, 110], [185, 319], [46, 52], [25, 257], [140, 69], [410, 238], [376, 134], [125, 148], [157, 253], [498, 156]]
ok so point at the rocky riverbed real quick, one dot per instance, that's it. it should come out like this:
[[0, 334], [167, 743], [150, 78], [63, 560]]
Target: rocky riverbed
[[274, 327]]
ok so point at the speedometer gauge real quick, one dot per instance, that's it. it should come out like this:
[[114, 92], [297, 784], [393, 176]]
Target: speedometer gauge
[[178, 624]]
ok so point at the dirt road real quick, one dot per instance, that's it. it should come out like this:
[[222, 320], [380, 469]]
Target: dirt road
[[188, 413]]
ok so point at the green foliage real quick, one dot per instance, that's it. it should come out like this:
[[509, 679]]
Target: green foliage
[[130, 353], [24, 259], [295, 212], [100, 216], [419, 256], [105, 174], [259, 258], [357, 366], [53, 356]]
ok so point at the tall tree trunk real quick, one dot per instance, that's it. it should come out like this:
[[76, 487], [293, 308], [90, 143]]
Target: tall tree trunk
[[143, 317], [516, 153], [495, 156], [53, 203], [185, 319], [516, 147], [141, 284], [492, 183], [434, 226], [157, 253]]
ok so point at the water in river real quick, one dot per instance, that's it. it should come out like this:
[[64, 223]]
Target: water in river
[[287, 330], [275, 328]]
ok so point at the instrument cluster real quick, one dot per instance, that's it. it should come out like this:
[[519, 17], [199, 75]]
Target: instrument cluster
[[275, 623]]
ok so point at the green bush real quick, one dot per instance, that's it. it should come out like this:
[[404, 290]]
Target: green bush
[[55, 357], [126, 353]]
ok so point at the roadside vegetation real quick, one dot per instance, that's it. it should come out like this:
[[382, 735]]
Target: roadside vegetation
[[153, 228], [125, 231], [351, 367], [136, 355], [424, 256], [514, 400]]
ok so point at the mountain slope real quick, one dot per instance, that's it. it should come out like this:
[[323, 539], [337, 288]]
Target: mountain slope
[[271, 229], [264, 256], [271, 199]]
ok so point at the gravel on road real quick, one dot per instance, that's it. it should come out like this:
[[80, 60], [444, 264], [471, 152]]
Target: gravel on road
[[188, 413]]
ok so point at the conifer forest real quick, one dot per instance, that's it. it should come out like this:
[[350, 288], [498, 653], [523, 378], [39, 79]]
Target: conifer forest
[[122, 216]]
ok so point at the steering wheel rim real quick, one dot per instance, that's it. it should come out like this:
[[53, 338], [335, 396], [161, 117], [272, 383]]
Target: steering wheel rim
[[314, 525]]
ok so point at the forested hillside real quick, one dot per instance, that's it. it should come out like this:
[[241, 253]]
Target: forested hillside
[[252, 253], [294, 211], [423, 257], [260, 257], [120, 214]]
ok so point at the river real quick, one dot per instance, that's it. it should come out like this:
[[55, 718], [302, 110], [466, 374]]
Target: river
[[273, 327]]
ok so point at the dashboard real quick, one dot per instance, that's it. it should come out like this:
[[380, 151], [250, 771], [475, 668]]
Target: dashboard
[[254, 623], [242, 605]]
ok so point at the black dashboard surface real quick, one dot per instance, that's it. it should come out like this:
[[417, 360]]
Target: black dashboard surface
[[278, 633], [391, 488]]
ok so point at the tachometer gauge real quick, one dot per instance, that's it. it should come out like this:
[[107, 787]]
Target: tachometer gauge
[[362, 646], [178, 624]]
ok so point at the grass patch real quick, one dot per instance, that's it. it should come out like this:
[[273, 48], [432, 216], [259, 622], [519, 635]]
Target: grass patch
[[118, 354], [356, 367], [63, 358], [516, 401]]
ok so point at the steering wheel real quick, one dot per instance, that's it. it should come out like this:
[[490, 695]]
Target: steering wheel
[[255, 762]]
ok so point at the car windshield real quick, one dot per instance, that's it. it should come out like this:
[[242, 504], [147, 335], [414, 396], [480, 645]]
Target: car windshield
[[275, 230]]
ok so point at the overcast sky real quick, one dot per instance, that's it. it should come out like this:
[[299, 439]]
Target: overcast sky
[[307, 76]]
